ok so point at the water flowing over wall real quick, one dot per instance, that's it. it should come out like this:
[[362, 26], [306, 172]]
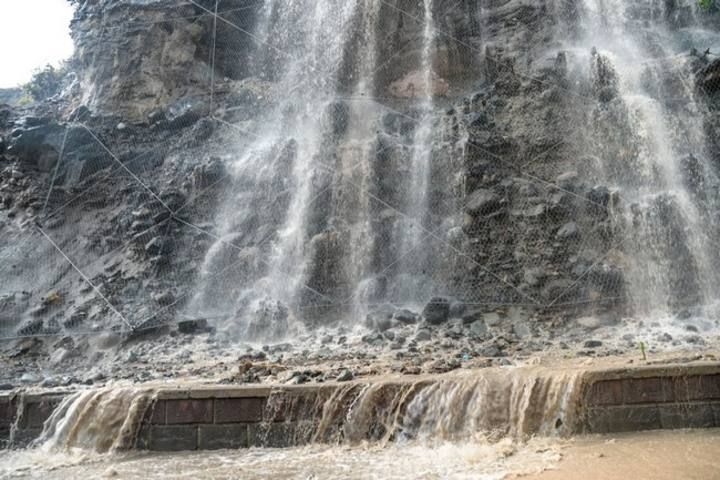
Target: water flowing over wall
[[368, 162]]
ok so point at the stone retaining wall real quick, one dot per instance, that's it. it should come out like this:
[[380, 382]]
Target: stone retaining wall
[[204, 418], [651, 398], [207, 419]]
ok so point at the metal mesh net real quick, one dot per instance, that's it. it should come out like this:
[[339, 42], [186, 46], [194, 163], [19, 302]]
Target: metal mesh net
[[311, 167]]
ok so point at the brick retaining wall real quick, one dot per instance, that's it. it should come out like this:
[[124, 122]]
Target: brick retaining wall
[[205, 418], [652, 398]]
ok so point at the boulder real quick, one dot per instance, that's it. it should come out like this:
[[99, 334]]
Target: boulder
[[406, 317], [209, 173], [193, 326], [568, 231], [437, 311], [381, 318], [708, 79], [482, 202], [159, 246]]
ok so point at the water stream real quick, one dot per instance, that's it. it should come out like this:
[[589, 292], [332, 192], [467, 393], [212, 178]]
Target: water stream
[[649, 138]]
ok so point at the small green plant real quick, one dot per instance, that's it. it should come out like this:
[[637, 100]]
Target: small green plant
[[45, 82], [706, 4], [25, 100], [642, 351]]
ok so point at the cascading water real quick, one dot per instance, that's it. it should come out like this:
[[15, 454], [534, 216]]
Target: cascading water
[[101, 420], [413, 231], [270, 211], [297, 233], [492, 405], [647, 132]]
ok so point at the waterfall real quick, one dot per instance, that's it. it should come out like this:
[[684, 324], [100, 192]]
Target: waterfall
[[101, 420], [646, 128], [490, 405], [413, 231], [281, 170], [513, 404], [296, 233]]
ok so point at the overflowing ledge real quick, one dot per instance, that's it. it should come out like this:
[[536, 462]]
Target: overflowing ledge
[[208, 417]]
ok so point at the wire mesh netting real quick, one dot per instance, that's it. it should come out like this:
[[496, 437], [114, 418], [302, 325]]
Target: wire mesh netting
[[259, 163]]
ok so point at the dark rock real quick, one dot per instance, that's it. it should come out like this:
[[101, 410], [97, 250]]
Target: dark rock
[[478, 328], [345, 376], [423, 335], [490, 351], [158, 246], [398, 124], [80, 114], [173, 198], [473, 315], [374, 339], [156, 116], [665, 337], [442, 366], [406, 317], [208, 173], [522, 329], [457, 309], [269, 320], [708, 79], [380, 318], [534, 276], [186, 112], [165, 298], [437, 311], [482, 202], [568, 231], [567, 180], [193, 326], [599, 195], [592, 344], [31, 327]]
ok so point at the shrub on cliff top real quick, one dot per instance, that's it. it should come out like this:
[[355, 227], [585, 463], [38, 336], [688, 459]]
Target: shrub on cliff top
[[45, 82]]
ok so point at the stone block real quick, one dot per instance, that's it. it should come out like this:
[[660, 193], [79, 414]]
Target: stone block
[[711, 387], [293, 408], [214, 437], [716, 411], [35, 413], [173, 438], [634, 418], [594, 421], [609, 392], [7, 413], [687, 389], [156, 414], [272, 435], [142, 442], [281, 435], [25, 436], [239, 410], [648, 390], [689, 415], [623, 419], [188, 411]]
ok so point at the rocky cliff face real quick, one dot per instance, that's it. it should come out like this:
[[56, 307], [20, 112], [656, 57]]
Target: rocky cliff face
[[319, 163]]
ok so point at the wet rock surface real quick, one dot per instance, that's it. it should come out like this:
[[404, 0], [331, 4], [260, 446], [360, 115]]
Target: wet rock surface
[[508, 239]]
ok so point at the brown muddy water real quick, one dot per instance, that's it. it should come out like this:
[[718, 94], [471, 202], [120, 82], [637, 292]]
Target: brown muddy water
[[677, 455]]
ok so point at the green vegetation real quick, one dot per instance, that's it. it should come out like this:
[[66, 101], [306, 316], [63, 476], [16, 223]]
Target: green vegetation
[[45, 82], [642, 350], [706, 4]]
